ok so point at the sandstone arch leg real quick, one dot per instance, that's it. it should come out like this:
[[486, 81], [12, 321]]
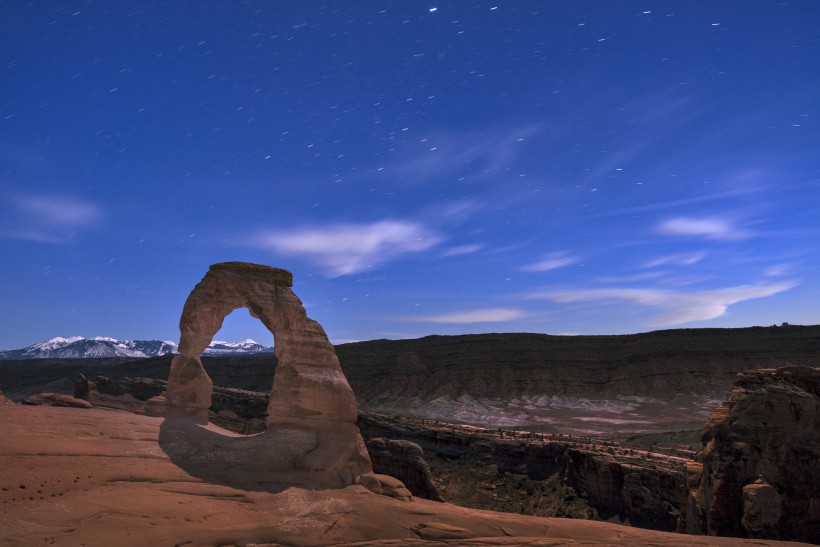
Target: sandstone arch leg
[[189, 388], [311, 437]]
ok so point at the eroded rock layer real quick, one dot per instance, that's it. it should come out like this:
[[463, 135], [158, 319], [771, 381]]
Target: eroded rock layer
[[311, 437], [758, 475]]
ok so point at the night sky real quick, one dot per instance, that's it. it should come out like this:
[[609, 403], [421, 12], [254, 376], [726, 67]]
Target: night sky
[[423, 167]]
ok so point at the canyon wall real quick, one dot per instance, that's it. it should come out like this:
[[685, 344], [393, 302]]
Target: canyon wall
[[758, 474]]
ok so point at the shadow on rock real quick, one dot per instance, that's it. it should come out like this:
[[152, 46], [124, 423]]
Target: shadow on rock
[[286, 455]]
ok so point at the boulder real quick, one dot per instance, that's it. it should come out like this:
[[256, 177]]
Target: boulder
[[761, 510], [757, 475], [385, 485]]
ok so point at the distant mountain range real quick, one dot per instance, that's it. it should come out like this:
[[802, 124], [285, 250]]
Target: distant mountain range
[[78, 347]]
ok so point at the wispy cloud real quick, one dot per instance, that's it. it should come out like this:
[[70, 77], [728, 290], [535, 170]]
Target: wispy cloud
[[474, 152], [35, 236], [48, 219], [686, 259], [342, 249], [633, 278], [489, 315], [779, 270], [59, 210], [732, 194], [676, 307], [709, 228], [552, 261], [463, 249]]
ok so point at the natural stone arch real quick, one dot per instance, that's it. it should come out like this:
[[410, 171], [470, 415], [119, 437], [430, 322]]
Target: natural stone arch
[[309, 382], [312, 410]]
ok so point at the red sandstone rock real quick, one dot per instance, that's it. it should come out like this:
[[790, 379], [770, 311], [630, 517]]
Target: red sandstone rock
[[385, 485], [404, 460], [760, 474], [311, 437], [56, 399], [761, 509]]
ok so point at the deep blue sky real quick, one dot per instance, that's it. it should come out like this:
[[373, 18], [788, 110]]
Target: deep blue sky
[[422, 167]]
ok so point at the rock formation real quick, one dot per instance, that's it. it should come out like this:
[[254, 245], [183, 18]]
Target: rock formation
[[311, 437], [637, 486], [236, 410], [56, 399], [758, 473], [385, 485], [761, 509], [405, 461]]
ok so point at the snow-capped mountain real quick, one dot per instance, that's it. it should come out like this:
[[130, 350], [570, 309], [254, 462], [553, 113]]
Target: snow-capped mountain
[[77, 347], [218, 347]]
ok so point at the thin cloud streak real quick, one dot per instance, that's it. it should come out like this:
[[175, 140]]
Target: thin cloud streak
[[490, 315], [677, 307], [343, 249], [47, 219], [709, 228], [56, 210], [676, 260], [671, 204], [550, 262], [31, 236], [476, 152], [463, 250]]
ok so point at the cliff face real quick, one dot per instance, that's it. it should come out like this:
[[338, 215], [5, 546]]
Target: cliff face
[[635, 486], [510, 365], [582, 385], [758, 474], [404, 460]]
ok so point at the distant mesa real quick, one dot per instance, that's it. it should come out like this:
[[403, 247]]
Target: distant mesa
[[311, 438]]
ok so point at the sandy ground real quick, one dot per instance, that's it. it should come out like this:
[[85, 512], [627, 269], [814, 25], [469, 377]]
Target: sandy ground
[[100, 477]]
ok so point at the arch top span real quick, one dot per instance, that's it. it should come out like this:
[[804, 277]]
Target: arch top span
[[276, 275]]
